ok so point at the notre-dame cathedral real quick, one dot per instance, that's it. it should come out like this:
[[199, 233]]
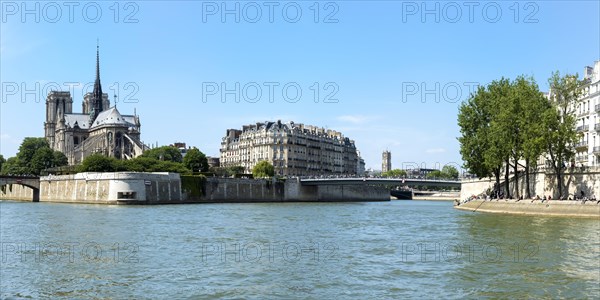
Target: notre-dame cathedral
[[99, 128]]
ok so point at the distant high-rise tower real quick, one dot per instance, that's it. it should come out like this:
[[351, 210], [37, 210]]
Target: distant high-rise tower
[[386, 164]]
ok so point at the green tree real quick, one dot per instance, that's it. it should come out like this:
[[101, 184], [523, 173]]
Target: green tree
[[560, 134], [59, 159], [43, 158], [437, 174], [534, 104], [503, 143], [2, 161], [235, 170], [146, 164], [227, 171], [34, 156], [28, 148], [195, 160], [170, 166], [394, 173], [12, 166], [263, 169], [139, 164], [98, 163], [481, 149], [164, 153], [449, 172]]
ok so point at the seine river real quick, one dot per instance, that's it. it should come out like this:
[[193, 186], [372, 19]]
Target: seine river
[[382, 250]]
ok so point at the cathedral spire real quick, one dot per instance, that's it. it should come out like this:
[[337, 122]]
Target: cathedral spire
[[96, 104], [98, 62]]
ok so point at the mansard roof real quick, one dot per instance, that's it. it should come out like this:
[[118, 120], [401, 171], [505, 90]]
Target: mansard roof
[[111, 117]]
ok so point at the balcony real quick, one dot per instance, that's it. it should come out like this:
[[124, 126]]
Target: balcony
[[597, 150], [581, 146], [581, 158], [597, 127], [597, 107], [583, 128], [583, 113]]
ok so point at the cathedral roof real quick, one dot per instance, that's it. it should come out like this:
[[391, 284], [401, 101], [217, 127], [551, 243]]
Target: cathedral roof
[[111, 116], [80, 120]]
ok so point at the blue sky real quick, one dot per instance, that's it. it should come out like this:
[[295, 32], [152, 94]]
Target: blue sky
[[381, 61]]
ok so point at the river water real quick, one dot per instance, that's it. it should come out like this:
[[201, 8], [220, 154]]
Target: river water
[[378, 250]]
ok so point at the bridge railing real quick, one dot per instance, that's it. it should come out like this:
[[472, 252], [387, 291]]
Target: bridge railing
[[334, 177], [26, 176]]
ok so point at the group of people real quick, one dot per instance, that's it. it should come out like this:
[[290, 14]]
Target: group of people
[[499, 195]]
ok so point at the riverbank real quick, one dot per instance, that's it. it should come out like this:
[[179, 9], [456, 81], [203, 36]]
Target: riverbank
[[442, 196], [435, 198], [171, 188], [589, 209]]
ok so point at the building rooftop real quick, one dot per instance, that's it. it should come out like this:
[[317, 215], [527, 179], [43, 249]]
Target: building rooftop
[[111, 116], [80, 120]]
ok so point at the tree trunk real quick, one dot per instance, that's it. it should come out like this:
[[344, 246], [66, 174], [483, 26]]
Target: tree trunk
[[516, 179], [557, 166], [559, 181], [497, 185], [506, 180], [527, 190]]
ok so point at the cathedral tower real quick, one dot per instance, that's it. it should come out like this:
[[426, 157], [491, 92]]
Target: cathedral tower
[[55, 101]]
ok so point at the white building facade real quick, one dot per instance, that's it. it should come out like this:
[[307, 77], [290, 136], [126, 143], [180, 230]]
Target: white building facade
[[293, 149], [588, 119]]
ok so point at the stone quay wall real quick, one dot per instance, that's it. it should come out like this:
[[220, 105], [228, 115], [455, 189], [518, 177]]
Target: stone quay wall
[[222, 190], [112, 188], [16, 192], [542, 184], [570, 208], [219, 190], [166, 188]]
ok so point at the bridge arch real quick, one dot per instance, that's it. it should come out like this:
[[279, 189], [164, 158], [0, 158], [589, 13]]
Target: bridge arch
[[30, 182]]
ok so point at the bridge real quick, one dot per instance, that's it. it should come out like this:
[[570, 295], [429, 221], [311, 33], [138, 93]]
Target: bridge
[[31, 182], [381, 181]]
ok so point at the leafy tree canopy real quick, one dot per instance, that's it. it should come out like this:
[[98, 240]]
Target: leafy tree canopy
[[101, 163], [34, 156], [263, 169], [227, 171], [394, 173], [450, 172], [195, 160], [164, 153]]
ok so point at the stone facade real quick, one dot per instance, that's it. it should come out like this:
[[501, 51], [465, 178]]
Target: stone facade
[[226, 190], [543, 183], [587, 111], [112, 188], [99, 128], [166, 188], [293, 149], [16, 192], [386, 161]]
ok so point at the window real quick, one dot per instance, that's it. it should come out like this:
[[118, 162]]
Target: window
[[126, 195]]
